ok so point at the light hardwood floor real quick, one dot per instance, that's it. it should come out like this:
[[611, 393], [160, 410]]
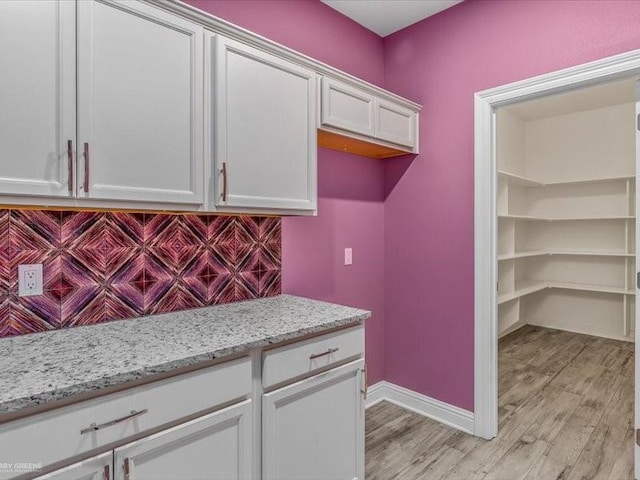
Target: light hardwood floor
[[565, 412]]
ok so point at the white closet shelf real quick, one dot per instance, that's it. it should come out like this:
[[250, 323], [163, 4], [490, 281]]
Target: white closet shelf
[[529, 182], [527, 288], [565, 219], [539, 253], [519, 179]]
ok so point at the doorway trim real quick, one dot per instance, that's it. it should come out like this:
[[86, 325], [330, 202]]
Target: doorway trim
[[485, 214]]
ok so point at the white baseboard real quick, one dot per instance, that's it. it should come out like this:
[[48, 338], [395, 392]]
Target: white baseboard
[[429, 407]]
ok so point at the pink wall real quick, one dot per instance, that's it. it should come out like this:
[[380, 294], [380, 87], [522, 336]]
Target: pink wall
[[350, 204], [440, 63]]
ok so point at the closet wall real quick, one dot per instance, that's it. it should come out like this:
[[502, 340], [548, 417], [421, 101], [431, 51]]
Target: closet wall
[[566, 218]]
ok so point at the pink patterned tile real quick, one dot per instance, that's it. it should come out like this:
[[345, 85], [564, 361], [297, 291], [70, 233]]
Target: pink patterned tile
[[124, 300], [5, 266], [35, 314], [198, 225], [82, 230], [124, 265], [84, 306], [222, 289], [269, 230], [175, 296], [270, 283], [247, 285], [206, 263], [123, 231], [154, 268], [6, 327], [34, 230], [83, 268], [221, 230]]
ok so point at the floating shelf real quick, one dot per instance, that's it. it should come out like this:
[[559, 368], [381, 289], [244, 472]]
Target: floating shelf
[[530, 218], [529, 182], [539, 253], [536, 286]]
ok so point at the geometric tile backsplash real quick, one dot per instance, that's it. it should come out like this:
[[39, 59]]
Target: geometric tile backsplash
[[102, 266]]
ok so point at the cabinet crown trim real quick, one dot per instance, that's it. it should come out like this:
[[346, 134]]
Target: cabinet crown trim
[[235, 32]]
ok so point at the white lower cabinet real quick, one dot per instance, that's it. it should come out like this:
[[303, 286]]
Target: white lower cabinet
[[302, 413], [214, 447], [94, 468], [314, 429]]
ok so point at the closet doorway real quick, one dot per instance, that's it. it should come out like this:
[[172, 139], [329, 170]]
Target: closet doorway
[[555, 257], [565, 201]]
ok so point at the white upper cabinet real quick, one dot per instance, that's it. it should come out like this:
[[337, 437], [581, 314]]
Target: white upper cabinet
[[395, 123], [37, 97], [358, 113], [347, 107], [140, 95], [264, 130]]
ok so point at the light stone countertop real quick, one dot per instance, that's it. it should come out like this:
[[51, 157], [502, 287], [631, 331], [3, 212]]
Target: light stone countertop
[[45, 367]]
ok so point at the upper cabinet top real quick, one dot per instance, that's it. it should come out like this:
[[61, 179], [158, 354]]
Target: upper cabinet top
[[157, 105]]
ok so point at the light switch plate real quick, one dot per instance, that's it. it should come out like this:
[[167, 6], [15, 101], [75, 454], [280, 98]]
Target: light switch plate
[[30, 280], [348, 256]]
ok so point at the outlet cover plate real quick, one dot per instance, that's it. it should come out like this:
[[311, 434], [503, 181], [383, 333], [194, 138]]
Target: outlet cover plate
[[348, 256], [30, 280]]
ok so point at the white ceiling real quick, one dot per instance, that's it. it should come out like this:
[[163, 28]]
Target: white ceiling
[[589, 98], [385, 17]]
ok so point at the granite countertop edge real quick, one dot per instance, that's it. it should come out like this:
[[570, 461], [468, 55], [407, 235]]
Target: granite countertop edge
[[33, 403]]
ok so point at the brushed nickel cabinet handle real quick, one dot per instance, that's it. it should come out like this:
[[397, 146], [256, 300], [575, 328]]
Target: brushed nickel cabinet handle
[[365, 386], [224, 181], [328, 352], [86, 167], [70, 166], [95, 426], [106, 473], [127, 469]]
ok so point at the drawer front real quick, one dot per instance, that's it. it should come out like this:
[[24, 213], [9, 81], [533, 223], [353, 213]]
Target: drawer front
[[347, 108], [285, 363], [395, 124], [54, 436]]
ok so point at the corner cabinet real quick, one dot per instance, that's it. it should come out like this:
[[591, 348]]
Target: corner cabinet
[[355, 113], [264, 132]]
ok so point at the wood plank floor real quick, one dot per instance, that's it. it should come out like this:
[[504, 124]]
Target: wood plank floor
[[565, 412]]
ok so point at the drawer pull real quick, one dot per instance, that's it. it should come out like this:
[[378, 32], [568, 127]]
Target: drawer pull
[[106, 474], [323, 354], [94, 426]]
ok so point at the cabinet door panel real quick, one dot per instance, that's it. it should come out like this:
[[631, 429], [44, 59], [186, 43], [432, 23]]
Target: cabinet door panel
[[140, 103], [395, 124], [265, 132], [314, 429], [217, 446], [94, 468], [347, 108], [37, 96]]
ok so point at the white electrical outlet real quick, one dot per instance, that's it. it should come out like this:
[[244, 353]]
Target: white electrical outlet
[[348, 256], [30, 280]]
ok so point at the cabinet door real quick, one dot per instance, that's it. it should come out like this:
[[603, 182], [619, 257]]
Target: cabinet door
[[395, 123], [347, 107], [94, 468], [265, 131], [37, 96], [217, 446], [140, 92], [314, 429]]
